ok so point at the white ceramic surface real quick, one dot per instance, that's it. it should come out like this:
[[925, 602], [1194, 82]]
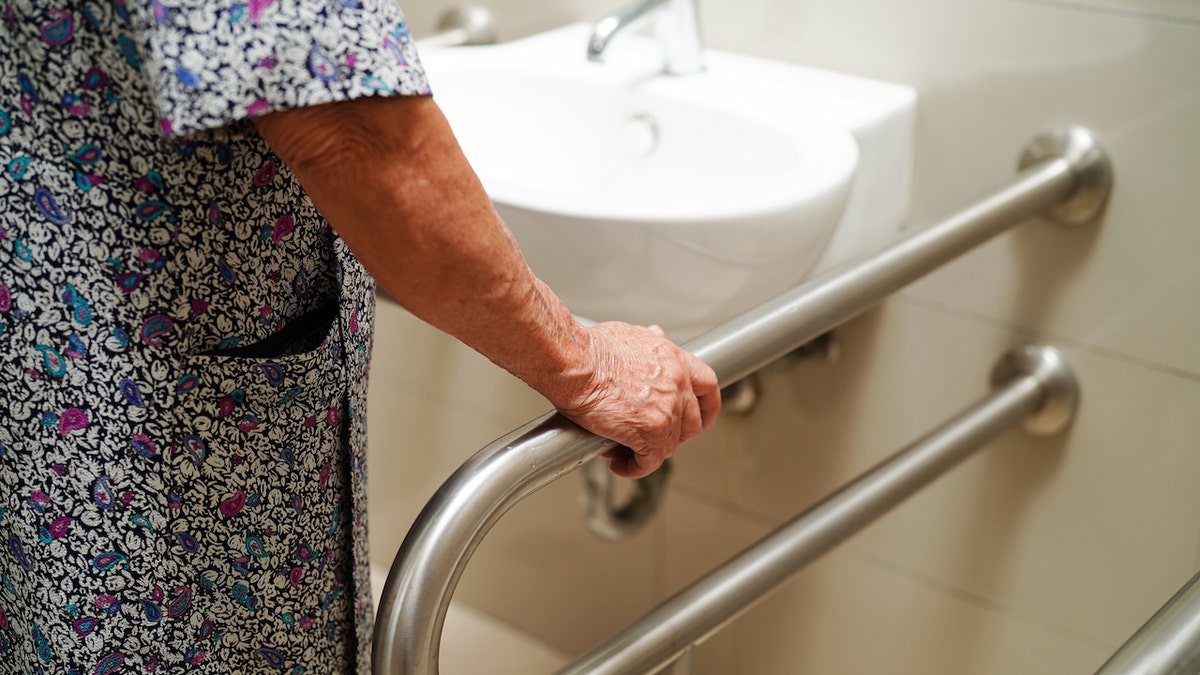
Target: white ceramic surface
[[680, 201]]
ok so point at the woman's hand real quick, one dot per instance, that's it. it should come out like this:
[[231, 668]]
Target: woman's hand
[[642, 391]]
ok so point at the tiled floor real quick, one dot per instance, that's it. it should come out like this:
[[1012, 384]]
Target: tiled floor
[[473, 642]]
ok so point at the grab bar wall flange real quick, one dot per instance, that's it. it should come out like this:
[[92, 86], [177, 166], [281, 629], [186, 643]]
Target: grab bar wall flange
[[1031, 378], [1094, 176], [1059, 387], [429, 563]]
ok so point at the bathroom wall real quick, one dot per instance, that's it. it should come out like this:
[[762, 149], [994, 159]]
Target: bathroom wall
[[1036, 556]]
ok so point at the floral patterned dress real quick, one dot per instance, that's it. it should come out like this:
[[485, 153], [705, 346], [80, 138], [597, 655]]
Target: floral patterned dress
[[183, 341]]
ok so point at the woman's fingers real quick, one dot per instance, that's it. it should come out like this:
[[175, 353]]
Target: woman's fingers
[[707, 391], [645, 393]]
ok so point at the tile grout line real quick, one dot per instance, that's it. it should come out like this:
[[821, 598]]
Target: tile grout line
[[897, 570], [1082, 6], [732, 508], [1033, 333], [974, 599]]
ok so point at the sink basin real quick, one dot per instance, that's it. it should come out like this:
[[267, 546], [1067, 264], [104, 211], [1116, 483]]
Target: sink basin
[[681, 201]]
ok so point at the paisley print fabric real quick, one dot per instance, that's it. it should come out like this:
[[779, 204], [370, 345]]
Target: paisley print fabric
[[183, 341]]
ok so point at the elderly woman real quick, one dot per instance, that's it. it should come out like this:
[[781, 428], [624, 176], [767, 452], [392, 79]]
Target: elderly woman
[[196, 197]]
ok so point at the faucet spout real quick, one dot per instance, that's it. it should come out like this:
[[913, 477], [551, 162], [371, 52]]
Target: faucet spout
[[625, 21], [677, 28]]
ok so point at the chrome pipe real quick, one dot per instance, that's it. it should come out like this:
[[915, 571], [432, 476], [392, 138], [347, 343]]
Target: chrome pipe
[[1168, 644], [1028, 380], [617, 523], [1064, 171]]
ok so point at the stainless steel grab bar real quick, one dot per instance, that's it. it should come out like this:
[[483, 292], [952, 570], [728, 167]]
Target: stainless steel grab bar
[[1033, 383], [1168, 644], [1064, 174]]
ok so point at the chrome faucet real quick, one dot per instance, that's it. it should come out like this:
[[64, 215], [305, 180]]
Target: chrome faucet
[[677, 27]]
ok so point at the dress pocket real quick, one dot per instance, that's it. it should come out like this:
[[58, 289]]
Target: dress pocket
[[259, 491], [302, 334], [281, 398]]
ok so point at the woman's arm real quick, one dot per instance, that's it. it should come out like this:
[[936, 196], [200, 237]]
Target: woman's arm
[[388, 175]]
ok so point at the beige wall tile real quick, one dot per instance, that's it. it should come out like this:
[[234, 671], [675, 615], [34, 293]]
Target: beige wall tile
[[473, 642], [819, 425], [543, 572], [847, 616], [850, 613], [439, 368], [1014, 69], [698, 535], [1088, 533], [432, 404], [413, 449]]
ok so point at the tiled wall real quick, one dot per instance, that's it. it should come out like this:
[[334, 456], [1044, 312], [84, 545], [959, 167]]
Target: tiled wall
[[1037, 556]]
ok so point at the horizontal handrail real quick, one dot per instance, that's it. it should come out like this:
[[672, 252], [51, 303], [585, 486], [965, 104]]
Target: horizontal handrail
[[1168, 644], [1032, 382], [1064, 175]]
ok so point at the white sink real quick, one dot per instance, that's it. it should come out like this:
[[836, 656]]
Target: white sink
[[681, 201]]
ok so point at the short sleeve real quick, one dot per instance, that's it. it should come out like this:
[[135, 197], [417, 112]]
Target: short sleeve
[[213, 62]]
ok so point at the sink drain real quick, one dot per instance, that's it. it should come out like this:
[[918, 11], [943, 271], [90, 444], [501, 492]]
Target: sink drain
[[639, 136]]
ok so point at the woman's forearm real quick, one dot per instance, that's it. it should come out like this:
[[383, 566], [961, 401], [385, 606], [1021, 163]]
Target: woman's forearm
[[388, 175]]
